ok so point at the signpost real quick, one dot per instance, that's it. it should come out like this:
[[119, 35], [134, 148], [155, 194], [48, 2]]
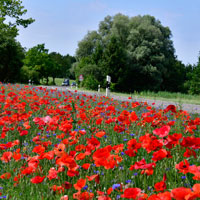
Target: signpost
[[81, 78], [108, 79]]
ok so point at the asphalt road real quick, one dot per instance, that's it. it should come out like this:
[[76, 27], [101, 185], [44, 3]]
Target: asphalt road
[[191, 108]]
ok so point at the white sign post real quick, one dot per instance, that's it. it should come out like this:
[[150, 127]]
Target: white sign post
[[108, 79], [99, 88]]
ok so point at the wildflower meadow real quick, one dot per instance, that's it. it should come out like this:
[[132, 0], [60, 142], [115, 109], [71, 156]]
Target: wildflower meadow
[[63, 145]]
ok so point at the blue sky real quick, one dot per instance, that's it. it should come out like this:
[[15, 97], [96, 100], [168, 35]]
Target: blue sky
[[60, 24]]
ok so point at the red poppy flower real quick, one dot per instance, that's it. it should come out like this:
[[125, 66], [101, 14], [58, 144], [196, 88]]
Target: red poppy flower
[[100, 134], [38, 149], [131, 193], [28, 170], [80, 184], [24, 132], [67, 185], [60, 150], [80, 156], [37, 179], [6, 175], [57, 189], [6, 156], [133, 117], [183, 166], [95, 176], [53, 174], [162, 132], [159, 155], [171, 108], [180, 193], [86, 166], [160, 186], [65, 197]]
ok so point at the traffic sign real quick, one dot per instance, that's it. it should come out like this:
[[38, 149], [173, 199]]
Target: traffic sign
[[81, 77]]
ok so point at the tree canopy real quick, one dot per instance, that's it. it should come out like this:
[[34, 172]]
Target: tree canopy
[[11, 52], [12, 11], [137, 52]]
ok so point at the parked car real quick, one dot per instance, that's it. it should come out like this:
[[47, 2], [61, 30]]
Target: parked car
[[73, 84], [65, 82]]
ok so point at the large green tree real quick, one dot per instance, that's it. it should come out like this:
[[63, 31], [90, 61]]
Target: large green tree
[[37, 64], [137, 52], [11, 56], [11, 52]]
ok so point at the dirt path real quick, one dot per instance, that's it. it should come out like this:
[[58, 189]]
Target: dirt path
[[191, 108]]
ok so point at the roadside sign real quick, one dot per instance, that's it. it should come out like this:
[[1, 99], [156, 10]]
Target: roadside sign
[[81, 77]]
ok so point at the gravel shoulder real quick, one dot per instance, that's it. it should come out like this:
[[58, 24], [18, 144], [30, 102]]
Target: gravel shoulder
[[191, 108]]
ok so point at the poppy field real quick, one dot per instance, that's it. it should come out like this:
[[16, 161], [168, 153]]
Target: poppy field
[[63, 145]]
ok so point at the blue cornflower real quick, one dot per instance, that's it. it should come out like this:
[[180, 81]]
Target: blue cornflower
[[122, 153], [3, 197], [54, 134], [128, 181], [149, 188], [118, 196], [115, 186], [125, 139], [183, 177], [121, 167], [85, 187], [1, 188], [135, 174], [48, 135], [132, 134], [39, 133]]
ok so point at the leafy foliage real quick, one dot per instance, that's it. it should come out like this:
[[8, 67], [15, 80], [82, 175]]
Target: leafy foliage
[[193, 83], [136, 51], [11, 56], [11, 52]]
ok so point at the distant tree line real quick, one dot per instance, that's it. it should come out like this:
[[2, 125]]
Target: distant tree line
[[19, 65], [137, 52], [39, 64]]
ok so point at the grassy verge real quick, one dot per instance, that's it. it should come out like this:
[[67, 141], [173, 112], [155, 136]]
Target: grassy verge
[[162, 95], [166, 96]]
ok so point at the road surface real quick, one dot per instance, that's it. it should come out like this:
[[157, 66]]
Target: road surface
[[191, 108]]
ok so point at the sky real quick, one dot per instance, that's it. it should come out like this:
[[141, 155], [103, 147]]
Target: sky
[[61, 24]]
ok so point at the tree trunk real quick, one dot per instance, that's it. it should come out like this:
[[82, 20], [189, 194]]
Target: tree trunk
[[54, 81], [47, 80]]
